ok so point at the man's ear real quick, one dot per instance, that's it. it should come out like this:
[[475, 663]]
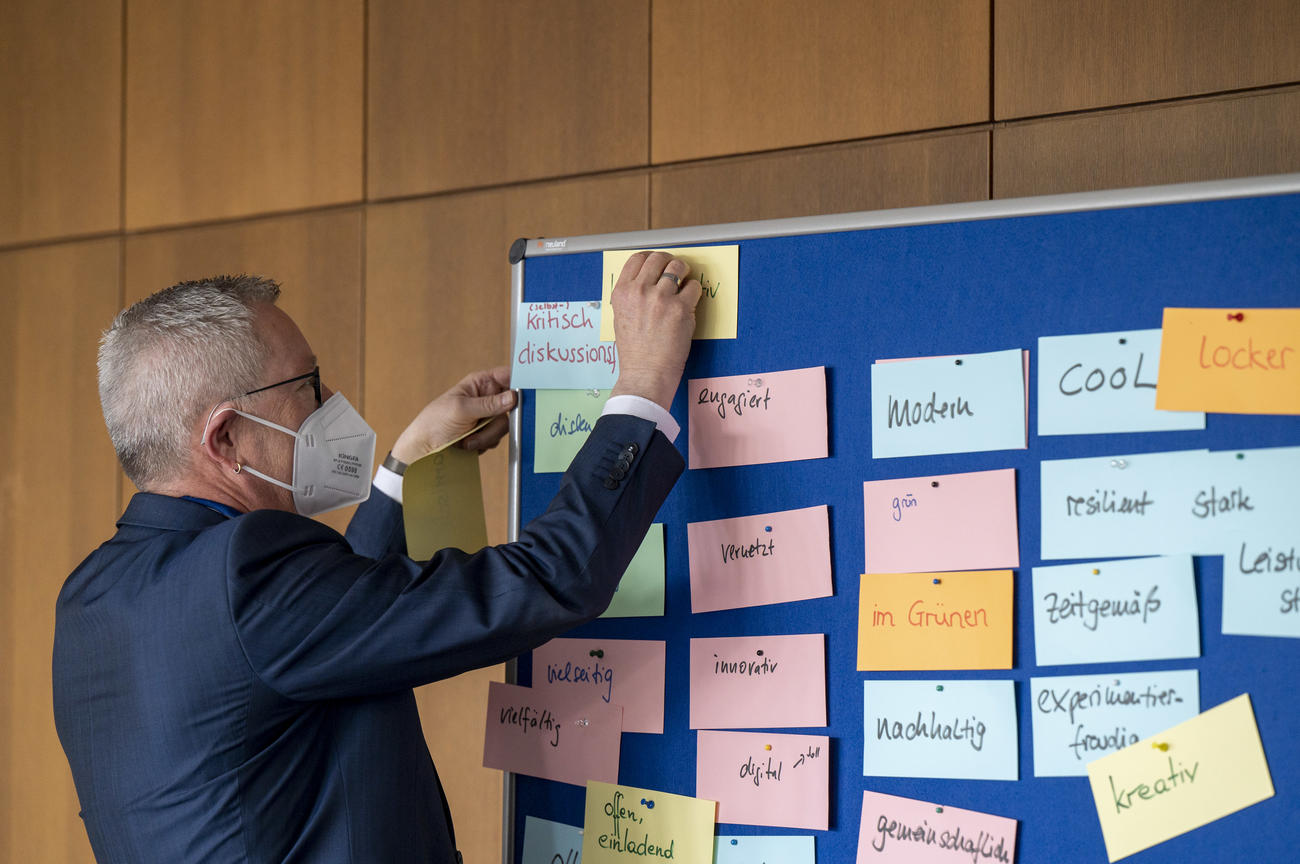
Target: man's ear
[[217, 444]]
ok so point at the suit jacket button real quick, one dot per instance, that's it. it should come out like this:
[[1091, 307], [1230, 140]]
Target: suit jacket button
[[617, 473], [623, 463], [631, 448], [611, 483]]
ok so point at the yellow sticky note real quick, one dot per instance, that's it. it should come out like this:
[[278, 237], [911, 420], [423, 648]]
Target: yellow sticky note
[[1233, 361], [624, 823], [910, 621], [1189, 775], [442, 503], [717, 268]]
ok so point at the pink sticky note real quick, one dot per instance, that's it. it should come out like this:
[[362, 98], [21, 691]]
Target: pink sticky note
[[755, 560], [761, 778], [547, 735], [888, 833], [627, 672], [945, 522], [758, 682], [752, 419]]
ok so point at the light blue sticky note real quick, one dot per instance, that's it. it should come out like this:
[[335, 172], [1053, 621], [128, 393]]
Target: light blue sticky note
[[960, 730], [1078, 718], [1114, 506], [1093, 383], [1261, 584], [1234, 493], [562, 422], [547, 842], [558, 347], [957, 404], [764, 850], [1116, 611]]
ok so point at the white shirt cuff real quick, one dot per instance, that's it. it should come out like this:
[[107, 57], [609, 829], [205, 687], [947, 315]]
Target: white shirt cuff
[[389, 483], [639, 406]]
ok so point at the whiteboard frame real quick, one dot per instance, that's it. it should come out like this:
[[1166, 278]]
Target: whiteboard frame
[[725, 232]]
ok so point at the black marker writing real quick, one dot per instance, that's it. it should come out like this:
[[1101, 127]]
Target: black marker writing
[[969, 729], [1107, 501], [1069, 700], [578, 674], [528, 720], [758, 549], [1214, 503], [737, 402], [1091, 610], [980, 846], [909, 413]]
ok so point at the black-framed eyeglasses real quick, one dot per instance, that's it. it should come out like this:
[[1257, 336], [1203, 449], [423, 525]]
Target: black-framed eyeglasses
[[313, 375]]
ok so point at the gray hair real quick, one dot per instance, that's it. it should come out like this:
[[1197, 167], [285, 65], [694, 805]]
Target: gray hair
[[170, 358]]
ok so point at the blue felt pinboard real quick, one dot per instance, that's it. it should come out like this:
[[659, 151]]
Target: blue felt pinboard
[[843, 298]]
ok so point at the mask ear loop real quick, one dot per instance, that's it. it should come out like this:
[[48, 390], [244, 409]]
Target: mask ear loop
[[241, 468], [203, 439]]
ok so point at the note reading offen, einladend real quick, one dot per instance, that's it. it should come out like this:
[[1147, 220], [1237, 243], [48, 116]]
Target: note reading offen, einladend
[[622, 822]]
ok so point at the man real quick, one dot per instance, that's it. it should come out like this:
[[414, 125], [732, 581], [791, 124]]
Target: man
[[232, 681]]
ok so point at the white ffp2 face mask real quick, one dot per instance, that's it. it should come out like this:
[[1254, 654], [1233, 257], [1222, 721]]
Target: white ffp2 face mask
[[333, 457]]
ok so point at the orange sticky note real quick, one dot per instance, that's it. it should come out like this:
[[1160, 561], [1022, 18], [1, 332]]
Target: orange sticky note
[[1234, 361], [911, 621]]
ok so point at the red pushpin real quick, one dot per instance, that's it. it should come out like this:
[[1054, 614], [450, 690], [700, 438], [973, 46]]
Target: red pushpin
[[1237, 317]]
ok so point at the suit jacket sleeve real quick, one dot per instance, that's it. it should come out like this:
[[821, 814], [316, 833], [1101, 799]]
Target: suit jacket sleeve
[[376, 528], [318, 621]]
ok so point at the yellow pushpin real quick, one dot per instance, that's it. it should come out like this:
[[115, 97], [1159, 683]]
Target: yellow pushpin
[[767, 746], [1159, 745]]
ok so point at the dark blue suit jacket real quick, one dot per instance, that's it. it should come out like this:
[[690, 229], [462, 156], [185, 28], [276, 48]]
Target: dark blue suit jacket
[[239, 689]]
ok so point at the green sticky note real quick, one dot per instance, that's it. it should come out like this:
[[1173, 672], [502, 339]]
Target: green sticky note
[[564, 419], [640, 594], [442, 502]]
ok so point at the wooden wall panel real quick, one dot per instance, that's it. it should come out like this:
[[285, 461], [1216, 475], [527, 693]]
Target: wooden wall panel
[[60, 118], [437, 306], [315, 257], [736, 76], [910, 172], [1069, 55], [1206, 140], [476, 94], [58, 499], [236, 107]]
